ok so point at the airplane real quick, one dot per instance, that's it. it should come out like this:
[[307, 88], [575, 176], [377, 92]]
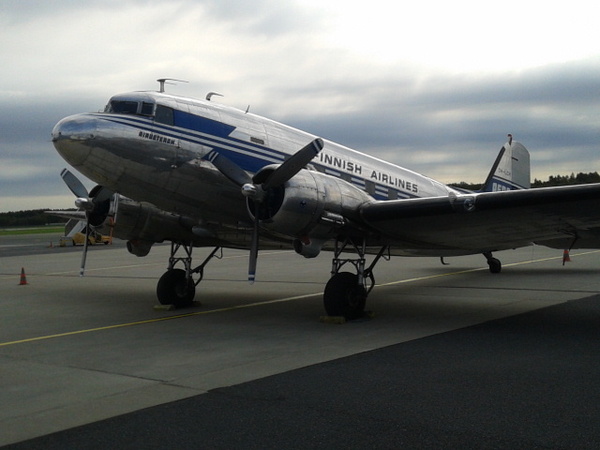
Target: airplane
[[201, 174]]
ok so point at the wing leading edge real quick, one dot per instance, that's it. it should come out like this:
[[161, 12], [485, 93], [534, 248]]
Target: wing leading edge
[[463, 224]]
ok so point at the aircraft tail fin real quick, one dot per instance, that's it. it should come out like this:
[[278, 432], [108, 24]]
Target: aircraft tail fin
[[511, 170]]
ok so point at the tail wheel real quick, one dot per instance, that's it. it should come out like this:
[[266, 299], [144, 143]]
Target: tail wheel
[[175, 288], [343, 296], [495, 265]]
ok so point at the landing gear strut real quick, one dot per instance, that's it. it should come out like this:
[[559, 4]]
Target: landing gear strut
[[346, 293], [177, 286], [494, 263]]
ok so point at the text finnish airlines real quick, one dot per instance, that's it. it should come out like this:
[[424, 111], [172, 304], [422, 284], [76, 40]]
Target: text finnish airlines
[[375, 175]]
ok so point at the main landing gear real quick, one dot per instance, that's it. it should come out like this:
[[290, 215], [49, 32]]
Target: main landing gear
[[177, 286], [346, 293]]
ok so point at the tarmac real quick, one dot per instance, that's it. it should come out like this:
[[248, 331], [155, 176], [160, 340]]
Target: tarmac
[[453, 356]]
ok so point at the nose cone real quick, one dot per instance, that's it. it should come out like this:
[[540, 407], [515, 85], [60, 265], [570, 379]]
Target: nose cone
[[72, 137]]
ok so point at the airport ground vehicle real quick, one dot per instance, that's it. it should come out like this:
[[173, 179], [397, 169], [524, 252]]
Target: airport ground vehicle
[[75, 235]]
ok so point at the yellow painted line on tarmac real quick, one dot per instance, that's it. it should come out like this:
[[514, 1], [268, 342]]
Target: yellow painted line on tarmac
[[430, 277], [266, 302], [160, 319]]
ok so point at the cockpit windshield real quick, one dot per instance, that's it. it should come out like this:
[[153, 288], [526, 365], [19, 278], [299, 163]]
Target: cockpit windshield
[[122, 107], [130, 107]]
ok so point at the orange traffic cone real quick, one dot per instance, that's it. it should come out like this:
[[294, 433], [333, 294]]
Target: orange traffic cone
[[23, 277], [566, 257]]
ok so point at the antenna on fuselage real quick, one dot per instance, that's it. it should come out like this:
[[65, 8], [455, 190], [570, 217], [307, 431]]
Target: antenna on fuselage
[[163, 81], [211, 94]]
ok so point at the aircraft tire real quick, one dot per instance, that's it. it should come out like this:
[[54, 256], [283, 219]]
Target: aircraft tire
[[495, 265], [174, 288], [343, 296]]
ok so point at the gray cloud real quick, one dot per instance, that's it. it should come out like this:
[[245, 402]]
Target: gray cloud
[[19, 11], [454, 135], [263, 17]]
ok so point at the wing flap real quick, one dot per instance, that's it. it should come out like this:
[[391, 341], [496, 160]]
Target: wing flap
[[491, 220]]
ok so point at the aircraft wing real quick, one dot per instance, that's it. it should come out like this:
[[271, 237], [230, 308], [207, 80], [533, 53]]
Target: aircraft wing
[[491, 221], [77, 215]]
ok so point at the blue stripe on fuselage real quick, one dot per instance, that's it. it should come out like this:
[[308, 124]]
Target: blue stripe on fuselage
[[201, 124]]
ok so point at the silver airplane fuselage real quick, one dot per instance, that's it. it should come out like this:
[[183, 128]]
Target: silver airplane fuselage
[[152, 147]]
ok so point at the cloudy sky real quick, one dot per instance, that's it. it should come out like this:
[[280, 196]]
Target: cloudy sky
[[431, 85]]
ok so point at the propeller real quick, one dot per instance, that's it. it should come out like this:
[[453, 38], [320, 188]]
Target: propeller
[[257, 191], [293, 164], [96, 205]]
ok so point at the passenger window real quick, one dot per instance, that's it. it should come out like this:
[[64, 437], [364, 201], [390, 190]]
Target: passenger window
[[147, 109], [164, 115]]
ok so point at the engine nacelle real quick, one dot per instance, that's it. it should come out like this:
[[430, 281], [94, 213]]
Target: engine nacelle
[[309, 204], [142, 224]]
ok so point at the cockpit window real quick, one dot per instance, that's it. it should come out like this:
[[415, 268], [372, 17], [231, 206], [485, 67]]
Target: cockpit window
[[123, 107], [147, 109], [130, 107]]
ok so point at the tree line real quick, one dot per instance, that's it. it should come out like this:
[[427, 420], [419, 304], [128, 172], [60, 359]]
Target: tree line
[[553, 180], [31, 218], [560, 180]]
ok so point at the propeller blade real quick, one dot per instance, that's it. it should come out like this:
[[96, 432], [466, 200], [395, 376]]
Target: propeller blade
[[252, 261], [294, 164], [228, 168], [100, 194], [85, 248], [73, 183]]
